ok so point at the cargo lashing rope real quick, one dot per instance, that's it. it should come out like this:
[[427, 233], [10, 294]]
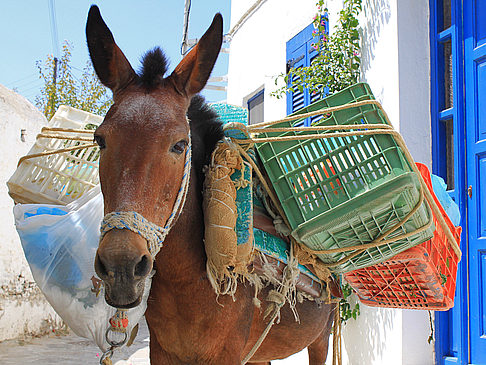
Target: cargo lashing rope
[[153, 234], [276, 304], [46, 133], [354, 130], [366, 129]]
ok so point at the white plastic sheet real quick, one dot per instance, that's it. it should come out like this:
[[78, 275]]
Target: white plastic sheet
[[60, 244]]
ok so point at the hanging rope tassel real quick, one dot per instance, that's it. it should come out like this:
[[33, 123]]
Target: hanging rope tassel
[[336, 337], [107, 361]]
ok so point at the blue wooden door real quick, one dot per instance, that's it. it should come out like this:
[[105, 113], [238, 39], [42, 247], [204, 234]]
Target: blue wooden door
[[458, 50], [475, 115]]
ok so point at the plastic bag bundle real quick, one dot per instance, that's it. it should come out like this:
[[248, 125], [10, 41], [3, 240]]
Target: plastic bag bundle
[[60, 244]]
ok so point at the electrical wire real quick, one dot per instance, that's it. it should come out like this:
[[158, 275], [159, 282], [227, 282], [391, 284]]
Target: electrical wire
[[23, 85], [34, 88], [21, 80]]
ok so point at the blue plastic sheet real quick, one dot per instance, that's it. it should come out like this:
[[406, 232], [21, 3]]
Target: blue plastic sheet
[[449, 205], [60, 244]]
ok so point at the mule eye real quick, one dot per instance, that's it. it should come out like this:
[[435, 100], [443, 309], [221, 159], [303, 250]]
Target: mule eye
[[100, 141], [179, 147]]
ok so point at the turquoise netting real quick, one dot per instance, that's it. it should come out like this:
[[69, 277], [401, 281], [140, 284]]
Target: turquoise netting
[[230, 113]]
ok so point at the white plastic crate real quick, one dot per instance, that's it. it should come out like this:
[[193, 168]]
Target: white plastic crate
[[62, 177]]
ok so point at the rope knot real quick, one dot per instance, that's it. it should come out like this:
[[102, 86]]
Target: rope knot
[[276, 297], [280, 226], [119, 321]]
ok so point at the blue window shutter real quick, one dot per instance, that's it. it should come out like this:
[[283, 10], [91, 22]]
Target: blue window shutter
[[300, 53]]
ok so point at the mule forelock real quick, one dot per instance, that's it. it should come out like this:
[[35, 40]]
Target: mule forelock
[[154, 67]]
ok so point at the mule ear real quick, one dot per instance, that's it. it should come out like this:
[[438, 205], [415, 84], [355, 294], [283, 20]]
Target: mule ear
[[110, 64], [192, 73]]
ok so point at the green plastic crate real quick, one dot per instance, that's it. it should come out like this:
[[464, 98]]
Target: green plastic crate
[[343, 191]]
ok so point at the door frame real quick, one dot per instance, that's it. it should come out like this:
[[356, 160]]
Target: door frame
[[451, 336]]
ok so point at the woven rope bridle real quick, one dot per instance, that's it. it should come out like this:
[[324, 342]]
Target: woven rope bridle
[[152, 233], [135, 222]]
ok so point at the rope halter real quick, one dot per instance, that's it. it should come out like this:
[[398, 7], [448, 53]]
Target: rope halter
[[135, 222]]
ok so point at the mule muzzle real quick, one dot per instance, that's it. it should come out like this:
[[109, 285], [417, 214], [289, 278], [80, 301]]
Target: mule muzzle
[[123, 267]]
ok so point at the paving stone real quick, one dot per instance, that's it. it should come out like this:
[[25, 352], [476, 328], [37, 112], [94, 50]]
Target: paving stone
[[73, 350]]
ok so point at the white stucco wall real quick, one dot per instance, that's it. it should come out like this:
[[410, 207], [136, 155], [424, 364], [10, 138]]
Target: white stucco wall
[[23, 308], [395, 62], [257, 50], [379, 50], [414, 78]]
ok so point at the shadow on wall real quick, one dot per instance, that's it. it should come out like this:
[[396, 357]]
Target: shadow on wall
[[376, 13], [366, 339]]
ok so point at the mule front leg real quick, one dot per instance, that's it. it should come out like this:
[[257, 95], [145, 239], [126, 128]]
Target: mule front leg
[[318, 349]]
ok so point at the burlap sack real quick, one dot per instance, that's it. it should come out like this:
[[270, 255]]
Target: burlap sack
[[226, 259]]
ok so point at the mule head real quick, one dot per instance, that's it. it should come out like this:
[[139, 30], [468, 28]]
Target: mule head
[[142, 142]]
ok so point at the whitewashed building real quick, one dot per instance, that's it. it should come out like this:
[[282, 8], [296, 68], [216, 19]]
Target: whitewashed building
[[425, 62], [23, 308]]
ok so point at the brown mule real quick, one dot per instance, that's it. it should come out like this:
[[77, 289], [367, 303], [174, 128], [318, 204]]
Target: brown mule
[[142, 140]]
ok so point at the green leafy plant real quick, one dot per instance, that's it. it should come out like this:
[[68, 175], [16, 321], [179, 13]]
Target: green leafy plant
[[345, 308], [337, 63], [335, 67], [61, 86]]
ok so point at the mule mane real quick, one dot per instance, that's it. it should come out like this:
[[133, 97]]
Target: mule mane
[[206, 130]]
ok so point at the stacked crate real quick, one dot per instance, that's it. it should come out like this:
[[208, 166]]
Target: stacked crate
[[63, 163], [346, 191], [422, 277]]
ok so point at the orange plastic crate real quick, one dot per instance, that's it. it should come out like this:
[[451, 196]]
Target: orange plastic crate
[[422, 277]]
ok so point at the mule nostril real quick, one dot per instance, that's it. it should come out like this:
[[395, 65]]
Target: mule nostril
[[100, 268], [143, 267]]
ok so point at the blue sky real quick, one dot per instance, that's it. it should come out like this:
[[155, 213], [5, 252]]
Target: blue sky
[[136, 25]]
